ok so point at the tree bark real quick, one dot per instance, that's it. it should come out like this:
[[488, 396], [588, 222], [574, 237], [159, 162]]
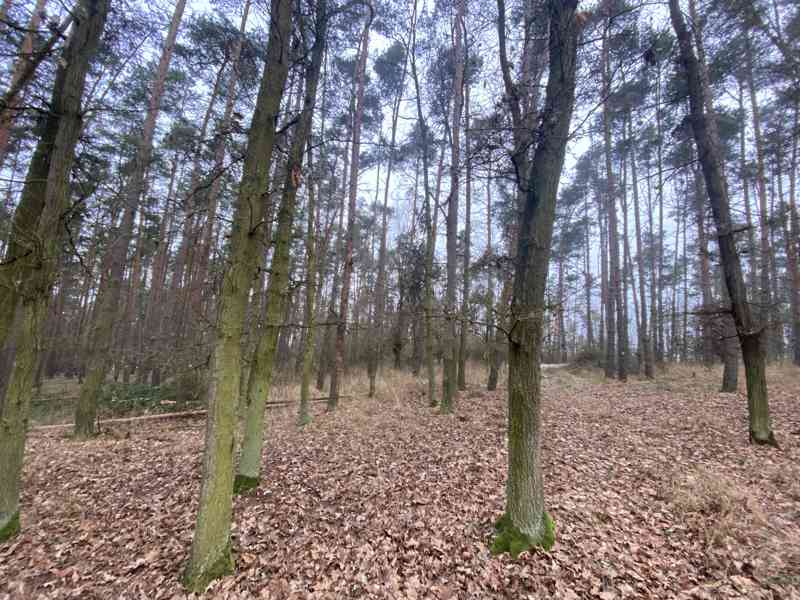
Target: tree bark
[[211, 552], [793, 243], [645, 341], [38, 238], [525, 522], [491, 307], [22, 69], [377, 342], [108, 295], [765, 299], [277, 298], [307, 350], [751, 335], [466, 273], [450, 371], [430, 216], [337, 370], [617, 324]]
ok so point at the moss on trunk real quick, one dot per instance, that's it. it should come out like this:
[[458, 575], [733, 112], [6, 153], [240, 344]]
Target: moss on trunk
[[197, 576], [51, 163], [278, 289], [513, 540], [242, 484], [210, 553], [525, 524], [9, 526]]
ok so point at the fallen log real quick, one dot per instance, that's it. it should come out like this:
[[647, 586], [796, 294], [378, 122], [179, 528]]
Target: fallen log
[[168, 415]]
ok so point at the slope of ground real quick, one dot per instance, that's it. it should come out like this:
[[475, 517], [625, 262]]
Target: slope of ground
[[654, 489]]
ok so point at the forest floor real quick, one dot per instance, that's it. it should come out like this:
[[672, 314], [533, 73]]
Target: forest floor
[[653, 486]]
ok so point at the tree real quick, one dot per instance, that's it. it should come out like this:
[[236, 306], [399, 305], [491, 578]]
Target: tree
[[450, 373], [36, 244], [211, 553], [352, 194], [525, 522], [276, 302], [395, 86], [108, 296], [751, 335]]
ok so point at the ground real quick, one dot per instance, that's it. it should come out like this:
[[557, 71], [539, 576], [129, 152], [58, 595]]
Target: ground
[[654, 490]]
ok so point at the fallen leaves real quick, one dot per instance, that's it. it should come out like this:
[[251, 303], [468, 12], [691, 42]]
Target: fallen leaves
[[393, 501]]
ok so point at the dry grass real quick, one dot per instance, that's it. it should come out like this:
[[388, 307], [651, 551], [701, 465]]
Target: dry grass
[[721, 508]]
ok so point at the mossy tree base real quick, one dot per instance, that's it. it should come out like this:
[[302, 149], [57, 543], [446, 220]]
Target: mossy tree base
[[510, 539], [197, 579], [9, 527], [243, 484]]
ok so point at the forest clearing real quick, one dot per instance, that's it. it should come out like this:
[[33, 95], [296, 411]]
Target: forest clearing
[[654, 491]]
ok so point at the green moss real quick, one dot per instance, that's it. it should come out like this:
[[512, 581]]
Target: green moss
[[303, 420], [243, 484], [510, 539], [549, 536], [10, 528], [197, 581]]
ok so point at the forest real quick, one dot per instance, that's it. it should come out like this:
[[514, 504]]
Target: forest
[[424, 299]]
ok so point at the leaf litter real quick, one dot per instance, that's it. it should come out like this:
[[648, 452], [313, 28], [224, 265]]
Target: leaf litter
[[654, 489]]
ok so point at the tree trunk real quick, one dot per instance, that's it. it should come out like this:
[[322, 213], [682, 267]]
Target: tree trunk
[[793, 244], [337, 370], [491, 307], [706, 323], [108, 296], [44, 201], [644, 337], [377, 342], [277, 298], [23, 63], [211, 552], [450, 371], [587, 275], [764, 311], [430, 216], [466, 274], [307, 350], [525, 522], [617, 323], [751, 336]]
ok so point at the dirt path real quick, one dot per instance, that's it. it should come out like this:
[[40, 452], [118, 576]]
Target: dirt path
[[655, 492]]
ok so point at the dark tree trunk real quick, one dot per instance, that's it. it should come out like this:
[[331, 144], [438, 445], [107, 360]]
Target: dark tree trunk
[[525, 517], [751, 335]]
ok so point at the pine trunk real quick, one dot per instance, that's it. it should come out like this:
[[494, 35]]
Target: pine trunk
[[644, 337], [466, 274], [337, 370], [108, 296]]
